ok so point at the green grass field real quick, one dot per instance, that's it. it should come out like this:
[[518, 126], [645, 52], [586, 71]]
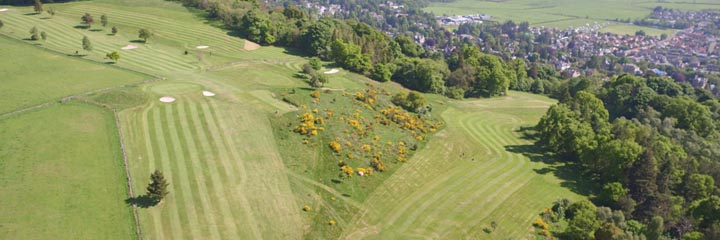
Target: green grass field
[[472, 173], [231, 174], [631, 29], [34, 76], [61, 175], [564, 13]]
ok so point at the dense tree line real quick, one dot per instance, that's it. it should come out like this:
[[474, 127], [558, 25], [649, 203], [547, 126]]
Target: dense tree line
[[29, 2], [362, 48], [650, 145]]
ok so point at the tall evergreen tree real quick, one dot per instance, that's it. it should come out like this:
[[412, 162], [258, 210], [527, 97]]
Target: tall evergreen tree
[[157, 189]]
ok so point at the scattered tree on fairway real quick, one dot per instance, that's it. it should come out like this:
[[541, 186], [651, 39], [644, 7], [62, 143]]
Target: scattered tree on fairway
[[113, 56], [157, 189], [38, 6], [51, 11], [86, 44], [43, 35], [88, 20], [1, 24], [114, 30], [145, 33], [103, 20], [35, 34]]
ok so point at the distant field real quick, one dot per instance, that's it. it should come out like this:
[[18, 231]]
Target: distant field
[[563, 13], [33, 76], [630, 30], [62, 177]]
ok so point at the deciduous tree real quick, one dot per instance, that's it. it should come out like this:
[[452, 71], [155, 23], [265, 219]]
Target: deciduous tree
[[86, 44], [104, 20], [113, 56], [145, 33], [88, 20], [38, 6], [34, 34]]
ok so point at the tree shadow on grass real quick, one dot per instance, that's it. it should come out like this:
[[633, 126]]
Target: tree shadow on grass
[[32, 13], [81, 27], [137, 41], [96, 30], [569, 172], [142, 201]]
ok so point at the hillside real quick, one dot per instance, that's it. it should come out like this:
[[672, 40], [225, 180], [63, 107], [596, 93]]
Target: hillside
[[236, 167]]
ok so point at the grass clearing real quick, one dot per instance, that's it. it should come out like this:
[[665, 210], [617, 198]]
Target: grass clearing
[[563, 13], [62, 176], [33, 76]]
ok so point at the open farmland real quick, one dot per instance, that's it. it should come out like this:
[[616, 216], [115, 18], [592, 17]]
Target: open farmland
[[563, 13]]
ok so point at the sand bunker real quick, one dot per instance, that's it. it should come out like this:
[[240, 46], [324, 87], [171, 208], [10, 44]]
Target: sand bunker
[[332, 71], [129, 47], [251, 45], [208, 93], [202, 47], [167, 99], [3, 9]]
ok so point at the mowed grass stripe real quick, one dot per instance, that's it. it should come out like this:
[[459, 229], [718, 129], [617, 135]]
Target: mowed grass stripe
[[276, 203], [198, 170], [183, 173], [169, 205], [513, 179], [440, 182], [151, 154], [191, 32], [459, 185], [65, 38], [211, 159]]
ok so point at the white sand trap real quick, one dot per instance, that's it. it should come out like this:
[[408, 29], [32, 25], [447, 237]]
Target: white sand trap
[[167, 99], [208, 93], [333, 71], [3, 9], [202, 47], [129, 47]]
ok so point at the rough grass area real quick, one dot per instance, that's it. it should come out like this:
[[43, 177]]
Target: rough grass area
[[564, 13], [31, 75], [62, 176], [122, 98]]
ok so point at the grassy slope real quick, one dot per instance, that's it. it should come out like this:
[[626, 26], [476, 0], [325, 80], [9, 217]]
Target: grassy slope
[[34, 76], [563, 13], [472, 173], [176, 30], [61, 176], [227, 176]]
